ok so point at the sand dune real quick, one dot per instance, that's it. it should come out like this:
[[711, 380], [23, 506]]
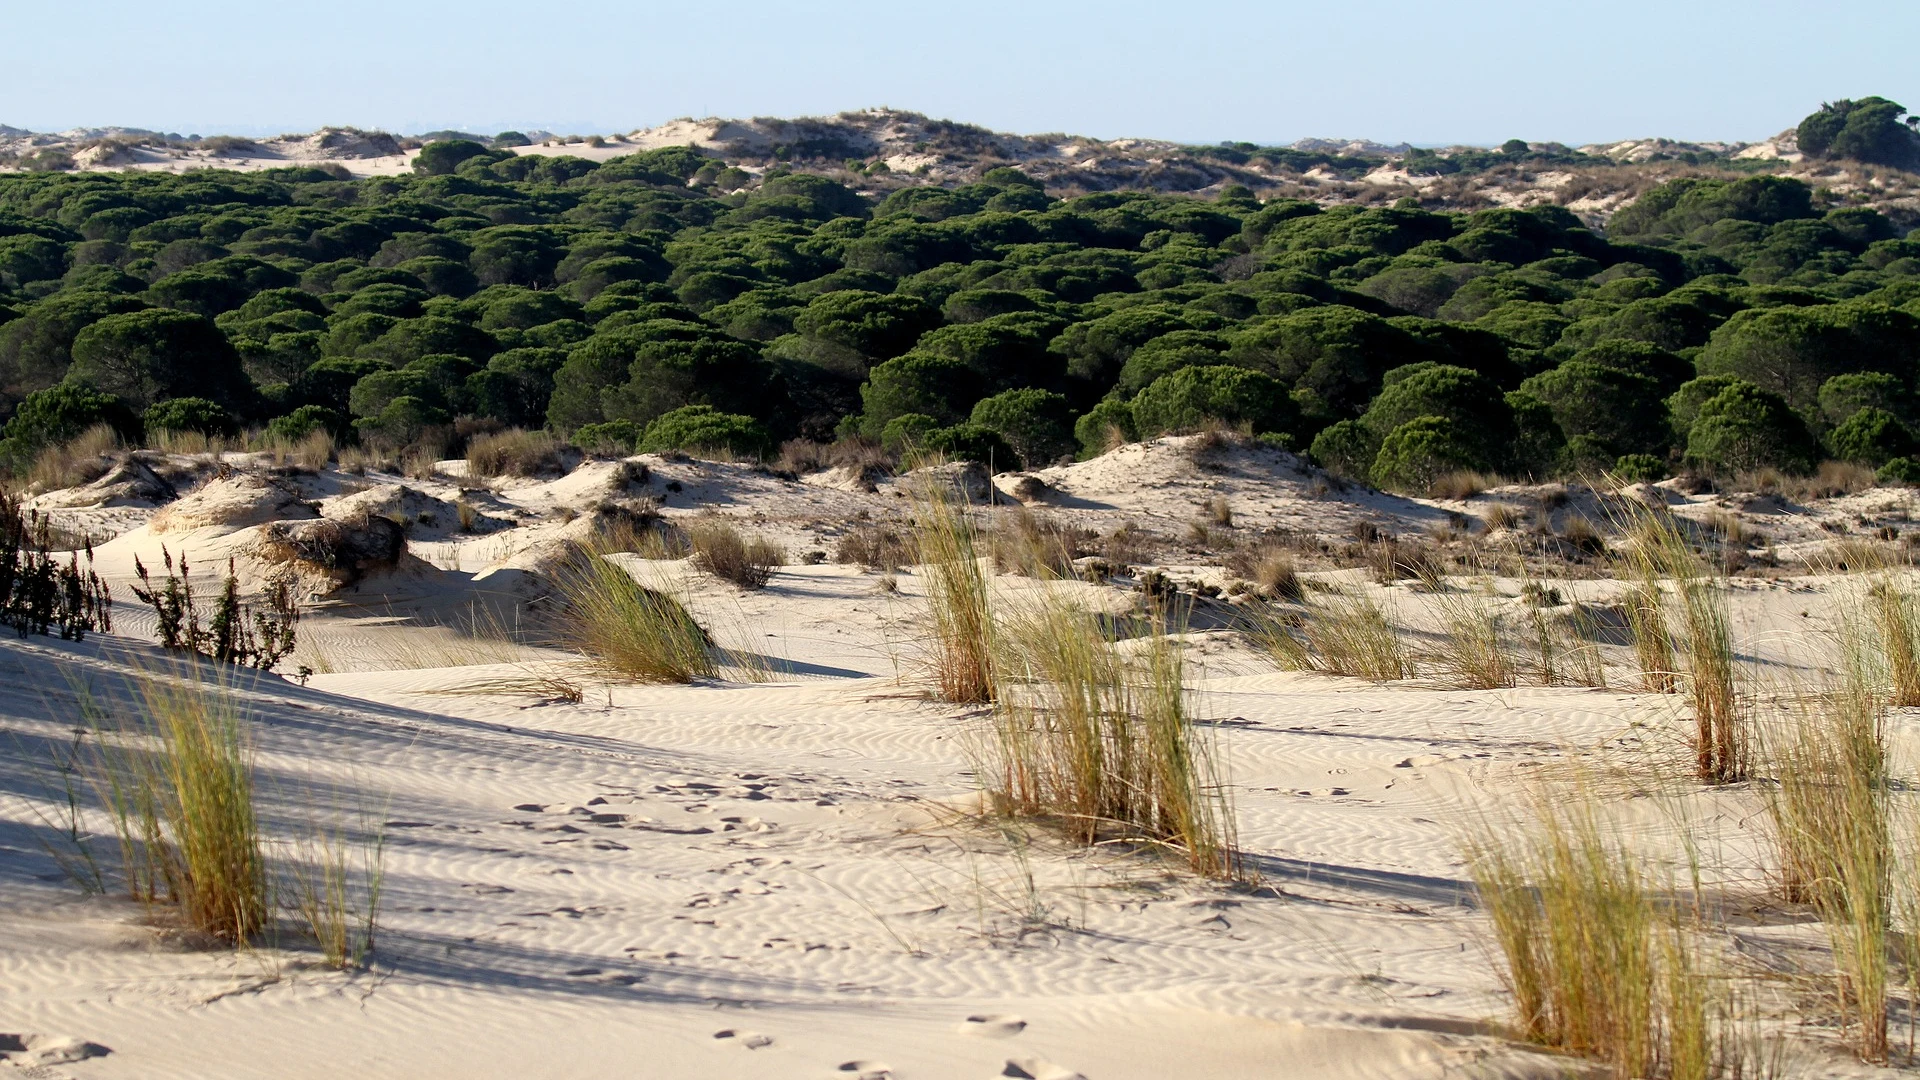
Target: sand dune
[[785, 878]]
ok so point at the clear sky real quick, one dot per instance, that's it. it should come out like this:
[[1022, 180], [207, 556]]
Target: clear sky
[[1474, 71]]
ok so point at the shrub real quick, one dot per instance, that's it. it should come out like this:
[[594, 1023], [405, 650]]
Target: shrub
[[1346, 449], [702, 427], [1033, 422], [257, 636], [37, 594], [1190, 398], [613, 437], [515, 452], [59, 414], [190, 414], [1107, 425], [722, 550], [1639, 469], [1421, 451], [1871, 435], [1744, 427], [306, 420], [970, 442], [1904, 471], [908, 431]]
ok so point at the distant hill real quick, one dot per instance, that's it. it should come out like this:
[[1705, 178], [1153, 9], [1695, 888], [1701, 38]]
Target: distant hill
[[877, 151]]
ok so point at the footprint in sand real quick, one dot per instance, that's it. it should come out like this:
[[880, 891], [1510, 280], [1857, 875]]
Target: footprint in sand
[[867, 1070], [1038, 1069], [749, 1039], [34, 1052], [993, 1025]]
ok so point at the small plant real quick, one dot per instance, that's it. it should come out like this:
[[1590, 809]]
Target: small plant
[[177, 780], [1503, 515], [1102, 744], [1349, 634], [1037, 545], [873, 547], [1658, 551], [958, 597], [336, 884], [38, 595], [1596, 966], [236, 632], [514, 452], [1830, 816], [722, 550], [629, 629], [1471, 648], [80, 460], [1220, 511], [1894, 618]]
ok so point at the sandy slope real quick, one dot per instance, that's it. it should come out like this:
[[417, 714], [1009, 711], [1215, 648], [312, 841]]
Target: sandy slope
[[781, 878]]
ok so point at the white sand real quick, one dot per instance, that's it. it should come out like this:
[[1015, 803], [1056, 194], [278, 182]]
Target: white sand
[[782, 879]]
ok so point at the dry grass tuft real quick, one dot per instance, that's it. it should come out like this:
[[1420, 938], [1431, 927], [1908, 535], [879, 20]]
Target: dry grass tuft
[[628, 629], [1037, 545], [1504, 515], [873, 547], [721, 549], [1597, 966], [958, 596], [1102, 743], [1349, 634], [1472, 651], [81, 460], [176, 776], [514, 452], [1659, 551], [1831, 823], [1460, 485]]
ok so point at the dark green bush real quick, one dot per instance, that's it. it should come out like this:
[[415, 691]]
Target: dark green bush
[[190, 414], [702, 427], [1745, 427], [1873, 436], [1415, 455]]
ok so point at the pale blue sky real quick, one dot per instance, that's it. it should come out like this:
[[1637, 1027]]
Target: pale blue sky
[[1429, 73]]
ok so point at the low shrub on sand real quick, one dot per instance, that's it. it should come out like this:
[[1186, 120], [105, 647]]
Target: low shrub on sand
[[514, 452], [628, 629], [721, 549]]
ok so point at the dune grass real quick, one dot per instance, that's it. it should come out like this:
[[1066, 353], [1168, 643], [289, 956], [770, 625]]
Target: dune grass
[[961, 652], [1101, 742], [1471, 652], [513, 452], [626, 628], [335, 885], [721, 549], [175, 773], [1659, 552], [1598, 962], [1898, 627], [1348, 634]]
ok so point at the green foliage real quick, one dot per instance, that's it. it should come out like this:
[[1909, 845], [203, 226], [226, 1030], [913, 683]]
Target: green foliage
[[306, 420], [1873, 436], [190, 414], [1904, 471], [1419, 452], [970, 442], [1865, 130], [1191, 398], [1103, 425], [614, 436], [402, 421], [908, 431], [1640, 468], [1746, 427], [549, 290], [1034, 423], [702, 427], [60, 413], [1346, 448]]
